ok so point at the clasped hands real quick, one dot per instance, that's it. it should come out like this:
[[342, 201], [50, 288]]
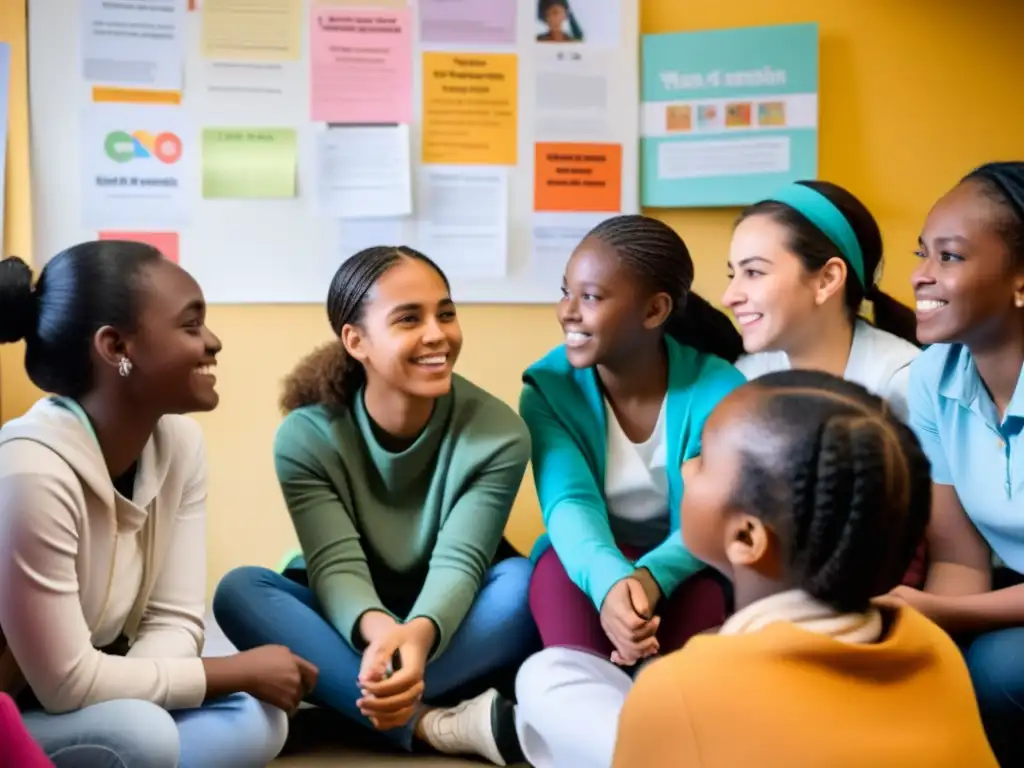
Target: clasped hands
[[627, 618], [389, 697]]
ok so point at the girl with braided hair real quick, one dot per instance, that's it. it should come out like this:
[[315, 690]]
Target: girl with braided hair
[[613, 414], [811, 496], [967, 407], [399, 477]]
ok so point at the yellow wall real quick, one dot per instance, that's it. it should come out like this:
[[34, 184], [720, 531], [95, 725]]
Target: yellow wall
[[913, 94], [17, 235]]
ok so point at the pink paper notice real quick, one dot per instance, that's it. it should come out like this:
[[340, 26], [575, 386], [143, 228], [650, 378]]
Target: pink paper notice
[[165, 242], [475, 22], [361, 65]]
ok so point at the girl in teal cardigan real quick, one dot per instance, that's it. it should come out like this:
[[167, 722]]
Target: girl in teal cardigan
[[613, 414]]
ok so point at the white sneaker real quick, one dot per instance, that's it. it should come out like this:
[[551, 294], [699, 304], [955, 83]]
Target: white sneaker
[[484, 726]]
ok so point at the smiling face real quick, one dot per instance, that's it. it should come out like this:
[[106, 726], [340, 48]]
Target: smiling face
[[171, 350], [967, 283], [771, 293], [604, 308], [409, 336]]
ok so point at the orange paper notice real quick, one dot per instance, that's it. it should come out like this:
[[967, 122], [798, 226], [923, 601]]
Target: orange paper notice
[[165, 242], [102, 95], [577, 177]]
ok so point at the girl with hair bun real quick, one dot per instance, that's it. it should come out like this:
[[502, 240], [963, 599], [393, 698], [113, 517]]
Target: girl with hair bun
[[102, 526]]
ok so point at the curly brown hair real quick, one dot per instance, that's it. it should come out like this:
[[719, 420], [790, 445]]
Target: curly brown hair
[[329, 376]]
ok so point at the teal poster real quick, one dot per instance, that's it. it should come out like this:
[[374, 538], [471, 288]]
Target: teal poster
[[727, 116]]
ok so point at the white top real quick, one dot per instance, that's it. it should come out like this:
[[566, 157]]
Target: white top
[[80, 564], [636, 483], [879, 362], [127, 573]]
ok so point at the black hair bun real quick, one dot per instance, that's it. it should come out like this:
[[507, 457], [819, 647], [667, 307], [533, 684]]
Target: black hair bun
[[17, 300]]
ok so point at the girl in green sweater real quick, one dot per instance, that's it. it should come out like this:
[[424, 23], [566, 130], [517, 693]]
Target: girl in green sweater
[[399, 476]]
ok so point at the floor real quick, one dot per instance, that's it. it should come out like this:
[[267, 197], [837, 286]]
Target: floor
[[317, 739]]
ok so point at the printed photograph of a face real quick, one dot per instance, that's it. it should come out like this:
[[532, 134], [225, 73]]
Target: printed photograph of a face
[[596, 22]]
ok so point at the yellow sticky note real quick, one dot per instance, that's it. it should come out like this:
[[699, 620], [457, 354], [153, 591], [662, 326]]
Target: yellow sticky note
[[269, 30], [470, 108]]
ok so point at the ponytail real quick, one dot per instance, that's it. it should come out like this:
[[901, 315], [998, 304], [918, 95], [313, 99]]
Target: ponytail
[[656, 253], [706, 329], [327, 376], [893, 316]]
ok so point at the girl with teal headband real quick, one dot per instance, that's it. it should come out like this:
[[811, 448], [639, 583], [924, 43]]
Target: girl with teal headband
[[802, 263]]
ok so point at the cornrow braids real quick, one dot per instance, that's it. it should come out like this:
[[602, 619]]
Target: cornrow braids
[[1003, 182], [657, 255], [329, 376], [844, 483]]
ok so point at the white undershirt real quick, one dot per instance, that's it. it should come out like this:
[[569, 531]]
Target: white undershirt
[[878, 361], [636, 483]]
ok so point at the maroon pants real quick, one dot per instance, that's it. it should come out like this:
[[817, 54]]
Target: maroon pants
[[566, 617], [918, 570]]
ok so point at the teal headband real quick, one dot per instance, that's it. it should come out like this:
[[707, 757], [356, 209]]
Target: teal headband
[[823, 214]]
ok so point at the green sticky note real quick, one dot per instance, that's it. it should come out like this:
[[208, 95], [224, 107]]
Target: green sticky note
[[249, 162]]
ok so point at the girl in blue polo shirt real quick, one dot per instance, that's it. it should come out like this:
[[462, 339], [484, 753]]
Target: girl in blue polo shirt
[[967, 406], [613, 413]]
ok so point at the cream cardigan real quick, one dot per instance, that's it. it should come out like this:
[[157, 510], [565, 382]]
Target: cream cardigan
[[60, 519]]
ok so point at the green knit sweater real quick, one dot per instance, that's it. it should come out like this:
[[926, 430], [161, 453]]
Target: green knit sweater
[[409, 533]]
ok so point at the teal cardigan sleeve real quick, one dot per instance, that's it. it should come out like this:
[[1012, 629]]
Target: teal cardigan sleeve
[[670, 563], [468, 538], [572, 505], [338, 572]]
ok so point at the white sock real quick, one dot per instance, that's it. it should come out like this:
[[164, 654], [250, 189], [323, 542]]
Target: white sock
[[464, 729]]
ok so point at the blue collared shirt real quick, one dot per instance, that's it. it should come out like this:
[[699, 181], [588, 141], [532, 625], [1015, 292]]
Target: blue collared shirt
[[968, 445]]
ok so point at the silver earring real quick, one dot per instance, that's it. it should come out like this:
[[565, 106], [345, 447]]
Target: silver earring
[[124, 366]]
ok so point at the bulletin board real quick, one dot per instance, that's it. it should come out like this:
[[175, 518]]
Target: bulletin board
[[498, 198]]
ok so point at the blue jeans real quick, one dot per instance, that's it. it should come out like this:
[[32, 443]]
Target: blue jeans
[[996, 662], [256, 606], [234, 732]]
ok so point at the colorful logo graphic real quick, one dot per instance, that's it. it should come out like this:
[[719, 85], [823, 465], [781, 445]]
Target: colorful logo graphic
[[121, 147]]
